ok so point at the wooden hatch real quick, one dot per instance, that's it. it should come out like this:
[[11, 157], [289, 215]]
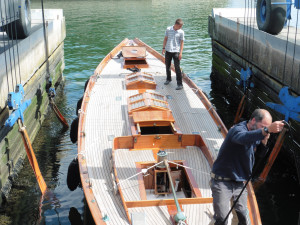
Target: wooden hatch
[[140, 81], [149, 113], [147, 102], [134, 56]]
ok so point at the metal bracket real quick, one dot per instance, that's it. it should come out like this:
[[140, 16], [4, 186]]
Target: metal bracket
[[290, 107], [245, 79], [82, 134], [10, 164], [51, 92], [16, 103], [179, 138], [157, 137], [48, 85]]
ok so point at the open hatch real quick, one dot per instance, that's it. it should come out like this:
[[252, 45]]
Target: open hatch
[[134, 56], [157, 183]]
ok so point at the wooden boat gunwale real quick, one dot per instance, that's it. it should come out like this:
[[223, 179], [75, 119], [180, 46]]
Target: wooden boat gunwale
[[88, 191], [87, 186]]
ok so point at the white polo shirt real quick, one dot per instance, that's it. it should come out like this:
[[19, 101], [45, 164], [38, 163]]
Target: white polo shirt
[[174, 39]]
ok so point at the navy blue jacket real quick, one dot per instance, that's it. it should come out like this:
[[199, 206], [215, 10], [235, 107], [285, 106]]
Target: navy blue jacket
[[236, 156]]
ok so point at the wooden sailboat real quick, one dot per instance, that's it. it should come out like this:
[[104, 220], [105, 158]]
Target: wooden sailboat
[[145, 150]]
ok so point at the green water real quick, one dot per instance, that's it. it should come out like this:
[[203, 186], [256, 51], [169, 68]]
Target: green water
[[94, 28]]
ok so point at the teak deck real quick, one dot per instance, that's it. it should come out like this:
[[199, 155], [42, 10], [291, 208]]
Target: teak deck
[[111, 148]]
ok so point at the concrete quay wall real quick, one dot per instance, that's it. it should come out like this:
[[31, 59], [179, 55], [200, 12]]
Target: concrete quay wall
[[33, 73], [265, 52], [237, 43]]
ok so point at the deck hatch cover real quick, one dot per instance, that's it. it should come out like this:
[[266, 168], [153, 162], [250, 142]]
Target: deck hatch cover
[[147, 101], [140, 80], [136, 97], [137, 104], [157, 96], [159, 103]]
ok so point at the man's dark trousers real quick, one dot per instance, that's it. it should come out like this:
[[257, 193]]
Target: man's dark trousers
[[168, 60], [222, 193]]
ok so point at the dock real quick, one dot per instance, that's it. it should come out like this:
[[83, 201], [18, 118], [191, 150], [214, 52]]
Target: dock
[[237, 44], [26, 62]]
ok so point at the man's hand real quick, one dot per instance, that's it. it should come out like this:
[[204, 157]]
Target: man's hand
[[163, 51], [180, 56], [265, 140], [276, 127]]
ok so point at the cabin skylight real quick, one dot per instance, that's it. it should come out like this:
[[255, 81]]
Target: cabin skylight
[[147, 102], [140, 81]]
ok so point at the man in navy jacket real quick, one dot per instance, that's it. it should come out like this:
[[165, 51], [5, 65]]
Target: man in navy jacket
[[235, 161]]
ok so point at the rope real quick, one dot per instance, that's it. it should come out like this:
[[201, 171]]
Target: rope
[[243, 60], [296, 161], [46, 42], [12, 78], [253, 34], [138, 173], [247, 36], [4, 50], [294, 155], [48, 75], [188, 167], [16, 32], [13, 52], [250, 8], [287, 40], [295, 46]]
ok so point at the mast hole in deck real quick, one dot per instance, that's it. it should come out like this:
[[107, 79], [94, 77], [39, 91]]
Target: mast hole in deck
[[156, 130], [158, 183], [132, 63]]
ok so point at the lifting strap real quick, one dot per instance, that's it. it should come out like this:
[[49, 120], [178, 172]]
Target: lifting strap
[[31, 157], [263, 176], [240, 110], [58, 114]]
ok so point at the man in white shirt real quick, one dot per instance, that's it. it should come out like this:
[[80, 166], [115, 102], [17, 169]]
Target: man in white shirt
[[172, 47]]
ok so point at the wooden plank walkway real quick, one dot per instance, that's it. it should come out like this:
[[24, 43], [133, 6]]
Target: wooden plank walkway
[[107, 117]]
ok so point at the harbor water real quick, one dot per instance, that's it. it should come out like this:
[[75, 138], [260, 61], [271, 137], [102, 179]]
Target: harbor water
[[94, 28]]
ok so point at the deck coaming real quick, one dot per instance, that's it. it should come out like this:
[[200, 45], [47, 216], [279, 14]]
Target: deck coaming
[[106, 118]]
